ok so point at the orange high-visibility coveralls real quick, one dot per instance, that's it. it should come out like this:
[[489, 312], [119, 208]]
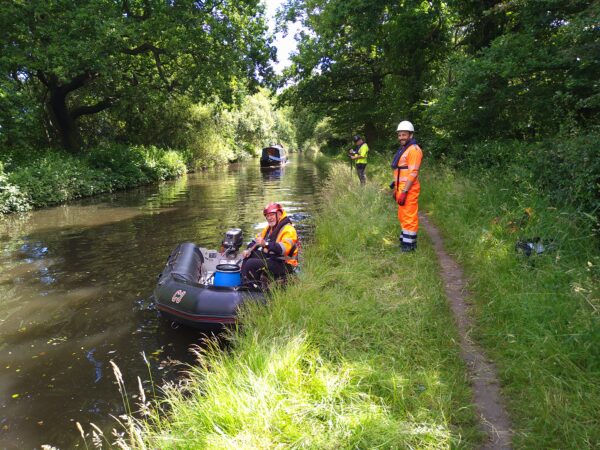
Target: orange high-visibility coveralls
[[408, 169]]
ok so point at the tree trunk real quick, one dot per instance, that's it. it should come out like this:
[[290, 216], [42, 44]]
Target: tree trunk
[[371, 132], [377, 78], [63, 121]]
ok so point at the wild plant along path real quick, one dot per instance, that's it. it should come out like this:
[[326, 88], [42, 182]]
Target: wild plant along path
[[482, 372]]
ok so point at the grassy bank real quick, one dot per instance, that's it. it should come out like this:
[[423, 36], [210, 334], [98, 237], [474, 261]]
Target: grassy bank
[[360, 352], [539, 316]]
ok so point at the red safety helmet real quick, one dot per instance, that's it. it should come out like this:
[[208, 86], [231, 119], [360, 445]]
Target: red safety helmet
[[272, 208]]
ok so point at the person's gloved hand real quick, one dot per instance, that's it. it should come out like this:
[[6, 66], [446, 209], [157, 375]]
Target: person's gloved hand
[[402, 198], [392, 185]]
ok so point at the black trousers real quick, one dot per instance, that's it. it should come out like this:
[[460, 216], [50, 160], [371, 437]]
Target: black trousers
[[258, 263], [361, 171]]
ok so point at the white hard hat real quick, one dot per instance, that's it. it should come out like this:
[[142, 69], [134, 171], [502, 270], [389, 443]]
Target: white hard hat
[[405, 125]]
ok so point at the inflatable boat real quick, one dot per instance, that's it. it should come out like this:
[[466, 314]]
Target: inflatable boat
[[201, 288]]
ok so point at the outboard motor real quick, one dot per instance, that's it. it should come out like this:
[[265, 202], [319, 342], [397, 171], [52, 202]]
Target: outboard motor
[[232, 241]]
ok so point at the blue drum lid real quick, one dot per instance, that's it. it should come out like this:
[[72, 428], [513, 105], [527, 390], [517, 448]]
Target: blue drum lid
[[228, 268]]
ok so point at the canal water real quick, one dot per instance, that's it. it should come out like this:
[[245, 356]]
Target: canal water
[[76, 284]]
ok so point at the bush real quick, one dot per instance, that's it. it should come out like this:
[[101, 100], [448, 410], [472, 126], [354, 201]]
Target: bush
[[122, 165], [207, 145], [160, 164], [59, 177], [11, 197], [566, 171], [133, 166]]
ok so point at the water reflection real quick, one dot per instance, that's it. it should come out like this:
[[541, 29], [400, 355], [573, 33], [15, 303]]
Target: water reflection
[[75, 285], [272, 173]]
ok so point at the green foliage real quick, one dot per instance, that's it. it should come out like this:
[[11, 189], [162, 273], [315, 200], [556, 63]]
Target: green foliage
[[521, 99], [284, 131], [209, 134], [304, 122], [58, 177], [324, 139], [21, 117], [532, 77], [161, 164], [72, 60], [477, 23], [121, 164], [565, 171], [255, 123], [11, 197], [214, 136], [209, 139], [365, 64]]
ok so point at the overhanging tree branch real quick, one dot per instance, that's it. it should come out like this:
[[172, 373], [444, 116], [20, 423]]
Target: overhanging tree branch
[[93, 109], [78, 81], [144, 48], [156, 52]]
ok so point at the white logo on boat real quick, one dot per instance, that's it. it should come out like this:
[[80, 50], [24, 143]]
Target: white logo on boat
[[178, 296]]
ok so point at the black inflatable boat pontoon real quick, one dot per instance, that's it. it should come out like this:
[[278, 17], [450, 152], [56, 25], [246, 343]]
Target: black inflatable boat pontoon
[[201, 288]]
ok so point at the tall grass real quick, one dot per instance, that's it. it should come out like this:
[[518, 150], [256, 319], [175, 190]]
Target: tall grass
[[538, 316], [359, 352]]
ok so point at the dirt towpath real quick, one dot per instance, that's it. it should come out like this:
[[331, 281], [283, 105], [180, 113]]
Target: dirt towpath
[[482, 373]]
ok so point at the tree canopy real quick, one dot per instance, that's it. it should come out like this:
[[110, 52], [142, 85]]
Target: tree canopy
[[461, 69], [531, 74], [63, 60], [365, 63]]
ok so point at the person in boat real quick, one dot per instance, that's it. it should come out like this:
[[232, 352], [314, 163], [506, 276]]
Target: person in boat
[[274, 251], [359, 155]]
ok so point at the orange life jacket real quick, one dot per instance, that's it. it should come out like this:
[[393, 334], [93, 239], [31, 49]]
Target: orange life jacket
[[285, 235]]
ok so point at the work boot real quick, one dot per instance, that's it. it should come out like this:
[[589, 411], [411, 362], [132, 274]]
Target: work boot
[[406, 248]]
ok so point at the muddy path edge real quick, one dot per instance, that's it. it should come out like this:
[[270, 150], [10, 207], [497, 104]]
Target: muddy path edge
[[487, 397]]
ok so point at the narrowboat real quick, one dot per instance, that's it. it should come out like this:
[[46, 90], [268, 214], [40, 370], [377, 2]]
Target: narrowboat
[[273, 156]]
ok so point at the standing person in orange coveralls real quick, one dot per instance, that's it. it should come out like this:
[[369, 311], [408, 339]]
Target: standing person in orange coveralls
[[406, 165]]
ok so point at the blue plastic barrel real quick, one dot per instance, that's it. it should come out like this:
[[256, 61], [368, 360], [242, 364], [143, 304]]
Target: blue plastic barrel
[[227, 275]]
